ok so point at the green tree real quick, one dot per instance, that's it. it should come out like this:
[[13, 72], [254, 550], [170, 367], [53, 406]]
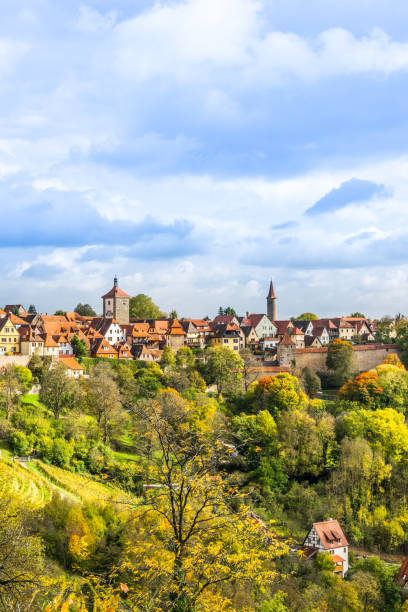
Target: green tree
[[185, 357], [142, 307], [340, 357], [224, 369], [306, 316], [357, 315], [402, 338], [167, 358], [57, 389], [79, 347], [10, 388], [36, 365], [32, 309], [385, 329], [60, 313], [173, 314], [311, 381], [85, 310], [257, 438], [104, 399], [229, 311]]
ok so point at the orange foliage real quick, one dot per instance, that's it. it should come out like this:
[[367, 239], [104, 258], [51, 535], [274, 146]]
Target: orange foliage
[[365, 389], [393, 359]]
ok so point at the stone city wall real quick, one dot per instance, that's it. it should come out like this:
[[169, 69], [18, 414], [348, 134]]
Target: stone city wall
[[366, 357]]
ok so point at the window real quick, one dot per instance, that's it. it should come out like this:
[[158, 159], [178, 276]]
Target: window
[[344, 550], [7, 330], [4, 339]]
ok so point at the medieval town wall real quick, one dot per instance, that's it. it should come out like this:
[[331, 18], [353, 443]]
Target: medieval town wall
[[365, 358]]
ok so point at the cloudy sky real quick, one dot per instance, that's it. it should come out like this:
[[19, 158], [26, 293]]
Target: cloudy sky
[[197, 148]]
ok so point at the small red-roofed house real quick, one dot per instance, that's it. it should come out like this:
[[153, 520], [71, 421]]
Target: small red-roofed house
[[328, 536], [75, 369]]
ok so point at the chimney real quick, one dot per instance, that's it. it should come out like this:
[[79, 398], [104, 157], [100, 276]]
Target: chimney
[[247, 315]]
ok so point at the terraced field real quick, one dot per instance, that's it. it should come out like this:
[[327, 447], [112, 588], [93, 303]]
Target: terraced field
[[85, 488], [34, 483], [23, 485]]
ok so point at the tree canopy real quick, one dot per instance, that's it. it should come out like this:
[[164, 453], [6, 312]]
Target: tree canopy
[[85, 310], [306, 316], [142, 307]]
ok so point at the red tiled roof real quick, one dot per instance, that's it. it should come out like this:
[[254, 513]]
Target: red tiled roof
[[71, 362], [115, 292], [271, 293], [330, 534], [286, 340]]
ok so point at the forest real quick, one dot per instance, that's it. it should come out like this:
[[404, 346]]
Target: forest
[[186, 485]]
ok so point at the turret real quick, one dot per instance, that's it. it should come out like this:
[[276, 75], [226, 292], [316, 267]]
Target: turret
[[271, 304]]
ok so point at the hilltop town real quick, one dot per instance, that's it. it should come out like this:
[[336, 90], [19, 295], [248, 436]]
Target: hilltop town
[[276, 345]]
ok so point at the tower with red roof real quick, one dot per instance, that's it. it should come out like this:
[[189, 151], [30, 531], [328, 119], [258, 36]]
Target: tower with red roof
[[116, 304]]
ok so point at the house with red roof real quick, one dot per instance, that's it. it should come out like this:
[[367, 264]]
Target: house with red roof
[[327, 536]]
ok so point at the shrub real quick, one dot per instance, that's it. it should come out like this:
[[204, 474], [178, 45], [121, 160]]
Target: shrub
[[20, 443], [62, 452]]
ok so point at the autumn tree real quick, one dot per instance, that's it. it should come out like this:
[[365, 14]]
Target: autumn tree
[[21, 561], [57, 391], [278, 393], [142, 306], [394, 360], [224, 369], [191, 533], [365, 389], [103, 399], [340, 357]]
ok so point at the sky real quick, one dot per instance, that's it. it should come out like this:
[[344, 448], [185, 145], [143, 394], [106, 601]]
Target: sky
[[198, 148]]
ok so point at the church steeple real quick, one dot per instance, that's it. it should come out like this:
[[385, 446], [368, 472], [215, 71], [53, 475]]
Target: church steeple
[[271, 303]]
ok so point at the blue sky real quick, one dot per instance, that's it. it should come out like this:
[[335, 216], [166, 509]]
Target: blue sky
[[198, 147]]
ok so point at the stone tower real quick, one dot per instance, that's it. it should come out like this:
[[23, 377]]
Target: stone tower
[[116, 304], [271, 304], [286, 352]]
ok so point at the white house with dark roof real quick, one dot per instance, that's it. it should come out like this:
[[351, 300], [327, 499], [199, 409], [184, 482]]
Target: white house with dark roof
[[328, 536]]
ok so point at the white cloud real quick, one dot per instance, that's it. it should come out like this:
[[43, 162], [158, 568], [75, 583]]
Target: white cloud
[[201, 39], [90, 20]]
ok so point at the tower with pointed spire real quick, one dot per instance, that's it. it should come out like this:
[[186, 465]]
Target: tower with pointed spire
[[271, 304], [116, 304]]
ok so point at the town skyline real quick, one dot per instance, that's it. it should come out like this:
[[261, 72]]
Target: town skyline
[[259, 303]]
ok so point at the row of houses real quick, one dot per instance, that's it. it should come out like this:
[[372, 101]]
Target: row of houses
[[115, 335]]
